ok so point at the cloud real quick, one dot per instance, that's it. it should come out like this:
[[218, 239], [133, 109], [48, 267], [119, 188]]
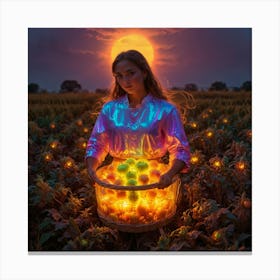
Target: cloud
[[82, 51]]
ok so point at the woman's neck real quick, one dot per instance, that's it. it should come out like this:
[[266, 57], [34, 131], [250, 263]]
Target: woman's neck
[[135, 100]]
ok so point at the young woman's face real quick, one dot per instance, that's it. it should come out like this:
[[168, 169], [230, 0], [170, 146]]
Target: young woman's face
[[129, 77]]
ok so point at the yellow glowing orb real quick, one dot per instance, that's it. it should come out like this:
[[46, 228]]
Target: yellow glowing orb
[[209, 134], [194, 159], [194, 125], [68, 164], [135, 42], [240, 165], [217, 163]]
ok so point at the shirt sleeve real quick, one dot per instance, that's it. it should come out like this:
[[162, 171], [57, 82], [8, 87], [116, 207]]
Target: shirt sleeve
[[177, 143], [98, 145]]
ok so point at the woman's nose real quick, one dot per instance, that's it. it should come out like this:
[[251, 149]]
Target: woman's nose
[[127, 80]]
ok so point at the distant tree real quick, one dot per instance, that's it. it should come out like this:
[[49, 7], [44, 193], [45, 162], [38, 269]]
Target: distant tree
[[70, 86], [176, 88], [218, 86], [247, 86], [191, 87], [33, 88]]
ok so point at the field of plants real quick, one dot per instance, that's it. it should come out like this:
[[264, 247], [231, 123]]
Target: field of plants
[[214, 213]]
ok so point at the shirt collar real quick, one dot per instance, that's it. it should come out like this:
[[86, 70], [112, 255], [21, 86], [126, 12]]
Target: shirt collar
[[145, 100]]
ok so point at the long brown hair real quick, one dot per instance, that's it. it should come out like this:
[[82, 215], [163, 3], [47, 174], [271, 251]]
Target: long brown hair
[[151, 84]]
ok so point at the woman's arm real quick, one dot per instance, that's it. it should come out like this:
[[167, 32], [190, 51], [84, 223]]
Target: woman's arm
[[92, 164], [166, 179]]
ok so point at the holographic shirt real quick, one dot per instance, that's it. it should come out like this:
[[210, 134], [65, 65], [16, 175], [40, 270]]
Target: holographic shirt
[[147, 131]]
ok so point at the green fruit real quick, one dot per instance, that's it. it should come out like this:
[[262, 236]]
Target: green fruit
[[131, 175], [141, 165], [133, 196], [123, 167], [130, 161], [131, 182]]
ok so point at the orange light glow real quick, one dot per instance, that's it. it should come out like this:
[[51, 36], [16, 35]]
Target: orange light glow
[[68, 164], [84, 145], [48, 157], [225, 120], [79, 122], [217, 163], [194, 125], [52, 126], [136, 42], [54, 145], [240, 165], [209, 134], [139, 206], [194, 159], [85, 130]]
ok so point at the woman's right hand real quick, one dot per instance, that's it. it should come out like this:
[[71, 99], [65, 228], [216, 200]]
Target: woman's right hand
[[92, 165], [92, 175]]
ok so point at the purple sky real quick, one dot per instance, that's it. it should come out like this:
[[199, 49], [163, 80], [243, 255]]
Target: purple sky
[[181, 55]]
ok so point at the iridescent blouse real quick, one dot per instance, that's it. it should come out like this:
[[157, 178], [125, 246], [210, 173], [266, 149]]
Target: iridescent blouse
[[148, 131]]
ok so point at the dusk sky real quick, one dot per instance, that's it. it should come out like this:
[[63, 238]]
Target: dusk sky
[[177, 55]]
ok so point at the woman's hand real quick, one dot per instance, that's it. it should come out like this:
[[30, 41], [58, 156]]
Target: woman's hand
[[165, 180], [91, 164], [92, 175]]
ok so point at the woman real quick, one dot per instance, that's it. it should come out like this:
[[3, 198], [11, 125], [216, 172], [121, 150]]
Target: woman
[[138, 122]]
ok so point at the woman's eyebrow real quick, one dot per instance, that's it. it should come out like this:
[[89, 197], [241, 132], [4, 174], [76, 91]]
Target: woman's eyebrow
[[127, 70]]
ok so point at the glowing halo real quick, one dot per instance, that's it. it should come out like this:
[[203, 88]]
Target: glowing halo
[[136, 42]]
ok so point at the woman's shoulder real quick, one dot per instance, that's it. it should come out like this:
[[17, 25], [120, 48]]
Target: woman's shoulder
[[113, 103], [164, 104]]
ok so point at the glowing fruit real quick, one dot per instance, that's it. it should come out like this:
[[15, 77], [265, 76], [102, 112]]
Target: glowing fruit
[[111, 177], [144, 179], [130, 161], [123, 167], [118, 182], [141, 211], [152, 194], [133, 196], [131, 182], [131, 175], [121, 194], [155, 173], [142, 165]]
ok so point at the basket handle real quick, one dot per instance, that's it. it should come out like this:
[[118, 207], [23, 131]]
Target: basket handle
[[131, 188]]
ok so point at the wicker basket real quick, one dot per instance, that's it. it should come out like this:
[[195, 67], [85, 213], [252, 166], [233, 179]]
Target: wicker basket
[[136, 208]]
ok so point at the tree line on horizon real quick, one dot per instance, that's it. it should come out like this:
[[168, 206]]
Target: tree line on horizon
[[75, 87]]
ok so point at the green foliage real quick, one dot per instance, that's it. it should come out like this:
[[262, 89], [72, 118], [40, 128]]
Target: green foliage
[[214, 213]]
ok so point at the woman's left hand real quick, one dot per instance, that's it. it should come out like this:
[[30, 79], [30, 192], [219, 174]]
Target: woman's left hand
[[165, 180]]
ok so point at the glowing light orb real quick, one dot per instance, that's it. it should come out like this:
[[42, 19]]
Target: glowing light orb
[[194, 159], [54, 145], [68, 164], [209, 134], [48, 157], [240, 165], [135, 42], [52, 126], [194, 125]]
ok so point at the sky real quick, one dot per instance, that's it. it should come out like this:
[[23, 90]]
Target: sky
[[178, 55]]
